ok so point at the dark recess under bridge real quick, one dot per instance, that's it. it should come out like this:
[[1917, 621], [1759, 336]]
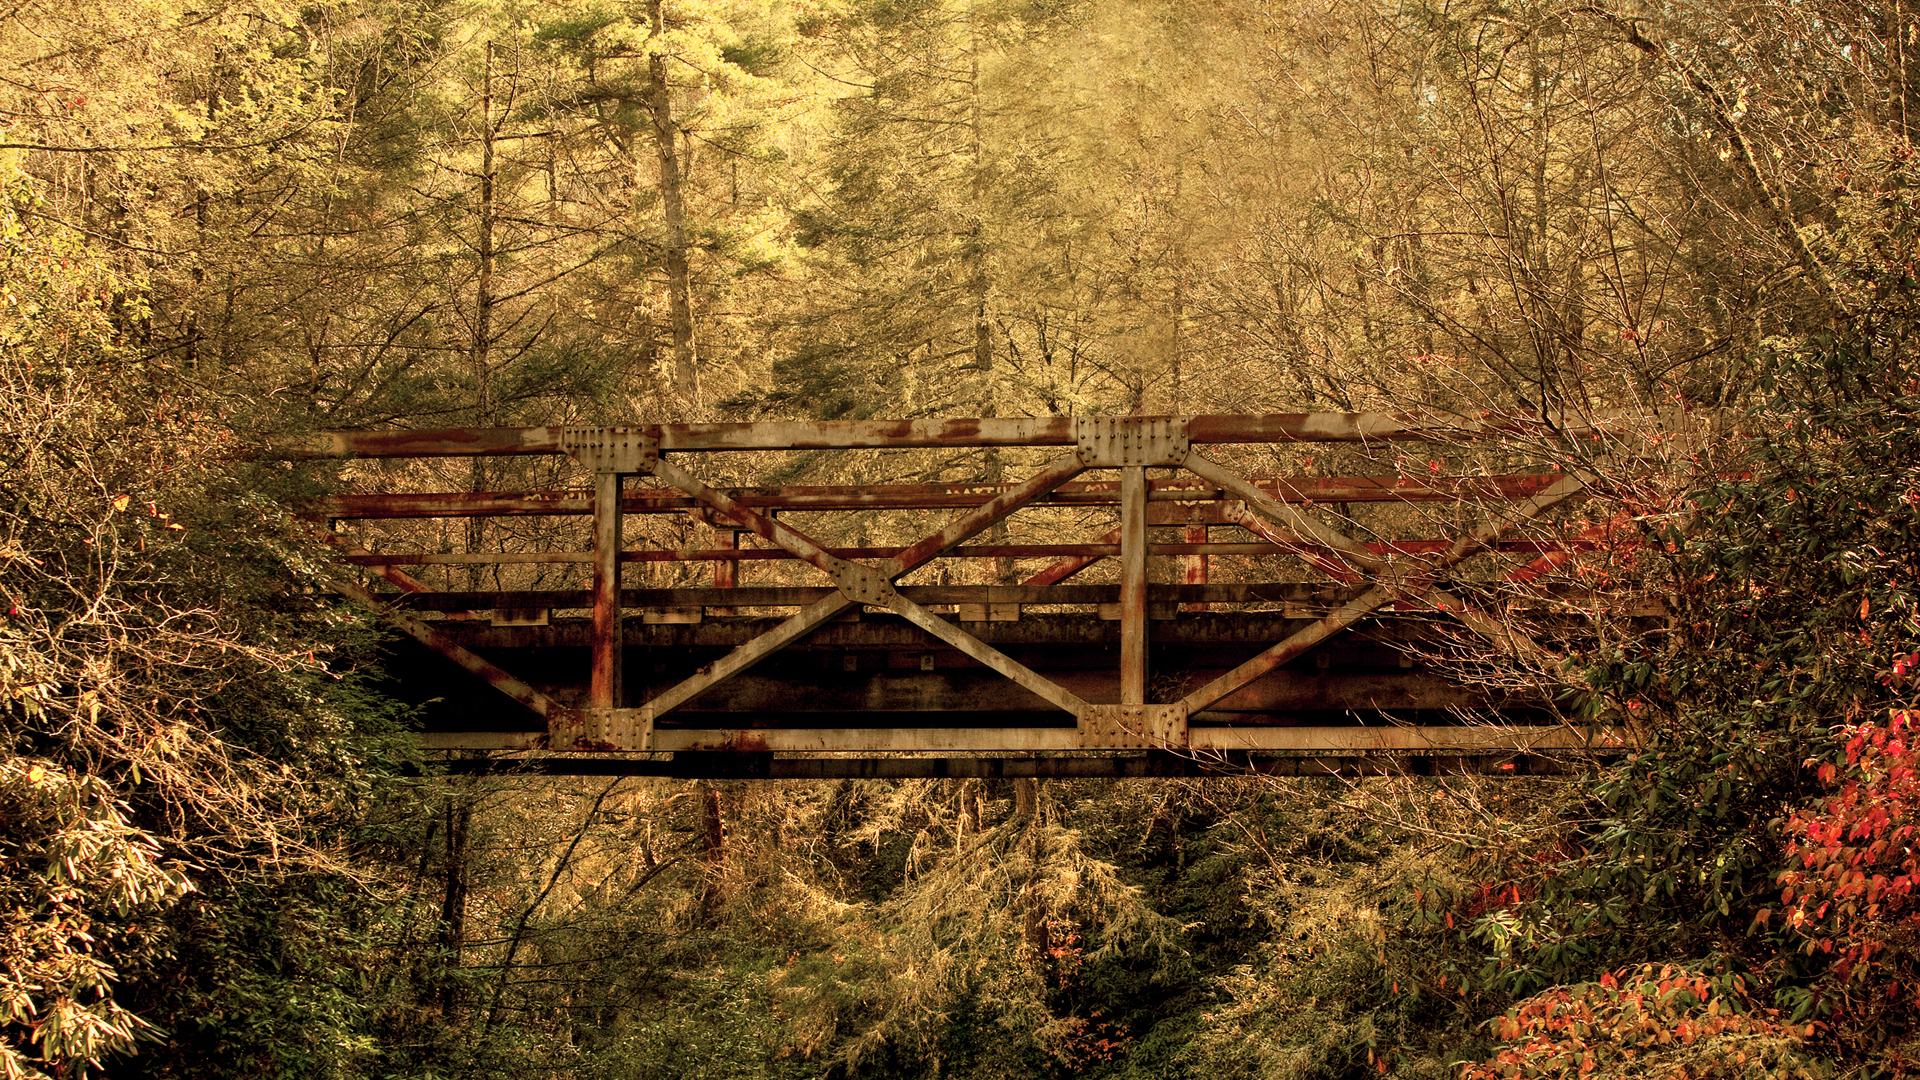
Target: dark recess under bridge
[[877, 663]]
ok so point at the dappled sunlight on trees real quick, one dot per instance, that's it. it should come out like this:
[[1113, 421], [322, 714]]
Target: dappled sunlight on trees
[[221, 853]]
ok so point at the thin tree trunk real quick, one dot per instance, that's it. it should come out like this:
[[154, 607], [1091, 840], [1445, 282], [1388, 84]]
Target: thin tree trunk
[[679, 282], [455, 879], [518, 936], [713, 844], [480, 347]]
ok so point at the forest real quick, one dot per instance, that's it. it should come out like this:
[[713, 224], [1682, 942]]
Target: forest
[[224, 854]]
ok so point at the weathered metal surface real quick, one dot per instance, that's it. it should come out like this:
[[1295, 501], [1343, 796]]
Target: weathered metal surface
[[1201, 739], [800, 596], [1291, 489], [1080, 639], [1001, 655], [1312, 532], [1090, 553], [1501, 634], [1112, 765], [770, 529], [1134, 726], [1331, 565], [1295, 644], [855, 583], [1193, 567], [402, 580], [972, 524], [1113, 442], [436, 442], [991, 657], [1560, 491], [962, 692], [604, 686], [1073, 564], [1133, 585], [611, 450], [726, 574], [473, 663], [745, 656]]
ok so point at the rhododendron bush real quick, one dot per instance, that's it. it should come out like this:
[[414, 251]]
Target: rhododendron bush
[[1645, 1021], [1847, 895]]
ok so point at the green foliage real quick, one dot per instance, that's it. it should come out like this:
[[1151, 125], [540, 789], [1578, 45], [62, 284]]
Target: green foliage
[[83, 896], [716, 1024]]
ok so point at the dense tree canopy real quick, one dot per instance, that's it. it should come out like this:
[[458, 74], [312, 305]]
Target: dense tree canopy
[[220, 855]]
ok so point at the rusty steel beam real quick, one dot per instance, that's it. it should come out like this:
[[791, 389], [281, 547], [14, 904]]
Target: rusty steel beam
[[1193, 568], [907, 434], [429, 442], [1464, 739], [404, 581], [604, 687], [726, 574], [473, 663], [1560, 491], [1133, 585], [1090, 553], [962, 692], [1327, 564], [1394, 590], [1502, 635], [1108, 765], [830, 607], [1073, 564], [794, 628], [993, 658], [799, 544], [560, 503], [1308, 529], [800, 596], [1291, 647], [1278, 592], [978, 521]]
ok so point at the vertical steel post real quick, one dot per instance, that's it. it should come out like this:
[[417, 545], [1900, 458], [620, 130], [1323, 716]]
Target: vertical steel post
[[1133, 585], [726, 573], [1195, 566], [604, 688]]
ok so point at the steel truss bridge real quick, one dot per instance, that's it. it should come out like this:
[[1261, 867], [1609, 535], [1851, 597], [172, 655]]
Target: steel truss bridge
[[978, 643]]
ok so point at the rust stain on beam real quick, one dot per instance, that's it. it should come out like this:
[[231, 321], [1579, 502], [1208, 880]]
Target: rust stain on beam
[[1085, 554], [1346, 615], [1293, 521], [745, 656], [1133, 586], [986, 654], [1293, 490], [1193, 567], [604, 686], [1066, 568], [800, 596], [962, 692], [475, 664], [905, 434], [972, 524], [1464, 739], [793, 540]]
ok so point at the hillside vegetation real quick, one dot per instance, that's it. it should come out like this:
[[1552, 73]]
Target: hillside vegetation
[[221, 854]]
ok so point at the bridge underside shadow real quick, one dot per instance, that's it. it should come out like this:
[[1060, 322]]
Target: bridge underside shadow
[[875, 696]]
